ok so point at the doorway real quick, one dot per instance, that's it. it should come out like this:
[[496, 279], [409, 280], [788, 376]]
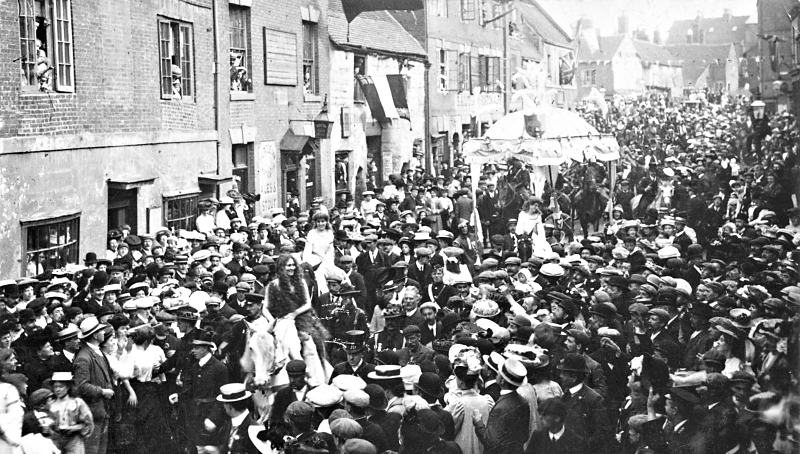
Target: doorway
[[122, 208]]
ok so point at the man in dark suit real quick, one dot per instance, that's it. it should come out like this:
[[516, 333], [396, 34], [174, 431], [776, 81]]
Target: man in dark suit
[[202, 380], [370, 264], [388, 421], [586, 415], [355, 346], [420, 269], [661, 338], [93, 382], [70, 345], [555, 438], [296, 391], [701, 339], [236, 401], [238, 264], [429, 387], [355, 278], [506, 428]]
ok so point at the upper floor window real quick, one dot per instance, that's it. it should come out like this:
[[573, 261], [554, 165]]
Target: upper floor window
[[310, 59], [241, 53], [439, 7], [45, 38], [176, 55], [468, 10]]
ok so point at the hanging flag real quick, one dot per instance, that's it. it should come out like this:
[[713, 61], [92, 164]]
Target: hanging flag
[[353, 8]]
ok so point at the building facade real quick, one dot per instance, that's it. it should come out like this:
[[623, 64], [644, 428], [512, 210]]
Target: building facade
[[711, 66], [610, 64], [377, 69], [130, 112]]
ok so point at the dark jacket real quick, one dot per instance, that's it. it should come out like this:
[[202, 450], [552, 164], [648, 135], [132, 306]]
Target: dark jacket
[[587, 417], [283, 399], [91, 375], [344, 368], [569, 443], [198, 397], [390, 424], [238, 440], [507, 427]]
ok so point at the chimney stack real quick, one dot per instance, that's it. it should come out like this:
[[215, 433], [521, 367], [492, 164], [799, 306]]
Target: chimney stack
[[623, 25]]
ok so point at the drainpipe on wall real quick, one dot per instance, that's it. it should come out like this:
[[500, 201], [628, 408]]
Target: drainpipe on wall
[[426, 95], [217, 72]]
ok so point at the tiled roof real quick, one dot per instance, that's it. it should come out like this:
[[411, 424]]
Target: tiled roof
[[716, 30], [375, 30], [692, 71], [700, 53], [544, 25], [608, 46], [654, 53]]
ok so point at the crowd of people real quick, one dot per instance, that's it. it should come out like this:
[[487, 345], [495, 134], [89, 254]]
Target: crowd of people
[[649, 307]]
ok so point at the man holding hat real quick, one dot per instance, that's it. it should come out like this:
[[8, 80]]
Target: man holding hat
[[93, 382]]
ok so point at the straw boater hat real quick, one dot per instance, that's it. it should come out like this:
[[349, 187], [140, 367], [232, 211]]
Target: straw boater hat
[[90, 326], [233, 392]]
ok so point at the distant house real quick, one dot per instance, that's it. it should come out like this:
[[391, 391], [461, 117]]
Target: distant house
[[557, 50], [727, 29], [610, 64], [714, 66], [660, 69]]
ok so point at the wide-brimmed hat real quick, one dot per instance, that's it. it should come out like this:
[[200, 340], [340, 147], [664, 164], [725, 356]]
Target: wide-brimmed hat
[[233, 392], [90, 326], [513, 371], [385, 372]]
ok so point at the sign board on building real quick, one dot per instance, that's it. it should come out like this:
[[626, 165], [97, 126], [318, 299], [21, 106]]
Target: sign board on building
[[280, 57]]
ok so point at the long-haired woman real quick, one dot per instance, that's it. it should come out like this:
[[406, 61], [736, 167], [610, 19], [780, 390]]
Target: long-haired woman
[[297, 330]]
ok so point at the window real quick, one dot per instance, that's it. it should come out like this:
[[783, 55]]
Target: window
[[241, 55], [463, 72], [50, 244], [442, 70], [176, 52], [180, 212], [310, 56], [589, 77], [359, 69], [490, 78], [45, 38], [241, 155], [467, 10]]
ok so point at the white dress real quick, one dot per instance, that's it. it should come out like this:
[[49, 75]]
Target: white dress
[[11, 412]]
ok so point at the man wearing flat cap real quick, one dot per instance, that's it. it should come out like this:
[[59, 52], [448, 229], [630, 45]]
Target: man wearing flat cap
[[369, 264]]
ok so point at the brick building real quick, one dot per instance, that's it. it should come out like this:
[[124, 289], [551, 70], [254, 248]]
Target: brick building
[[129, 112]]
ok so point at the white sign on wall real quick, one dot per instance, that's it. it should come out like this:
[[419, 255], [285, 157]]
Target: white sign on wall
[[267, 176]]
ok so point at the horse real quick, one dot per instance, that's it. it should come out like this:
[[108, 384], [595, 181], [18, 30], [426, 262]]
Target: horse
[[590, 203], [510, 197]]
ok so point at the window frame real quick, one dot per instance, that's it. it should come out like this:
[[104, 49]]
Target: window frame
[[247, 41], [182, 47], [71, 224], [468, 12], [59, 44], [442, 79], [358, 93], [311, 57], [189, 203]]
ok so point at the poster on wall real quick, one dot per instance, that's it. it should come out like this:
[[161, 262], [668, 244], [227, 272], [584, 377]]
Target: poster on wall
[[267, 178]]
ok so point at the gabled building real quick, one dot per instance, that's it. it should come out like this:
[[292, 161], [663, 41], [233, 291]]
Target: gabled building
[[661, 71], [557, 51], [608, 63], [771, 58], [712, 66], [377, 102]]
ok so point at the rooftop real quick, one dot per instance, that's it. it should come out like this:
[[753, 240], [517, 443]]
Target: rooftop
[[372, 30]]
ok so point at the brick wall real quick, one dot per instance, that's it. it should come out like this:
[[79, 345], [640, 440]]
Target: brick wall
[[116, 72]]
